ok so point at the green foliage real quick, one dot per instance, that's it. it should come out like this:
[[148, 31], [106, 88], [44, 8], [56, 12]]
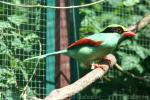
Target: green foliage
[[6, 77], [130, 62], [16, 38], [17, 20], [130, 2], [133, 56], [5, 25]]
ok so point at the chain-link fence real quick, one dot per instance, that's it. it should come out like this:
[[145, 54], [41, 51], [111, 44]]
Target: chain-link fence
[[23, 34]]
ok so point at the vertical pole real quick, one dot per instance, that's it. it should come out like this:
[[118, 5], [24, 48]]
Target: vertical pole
[[62, 62], [50, 47], [74, 35]]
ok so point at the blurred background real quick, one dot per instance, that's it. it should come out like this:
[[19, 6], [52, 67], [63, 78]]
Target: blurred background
[[28, 30]]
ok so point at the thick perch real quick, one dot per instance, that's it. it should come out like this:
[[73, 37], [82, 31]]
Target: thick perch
[[68, 91]]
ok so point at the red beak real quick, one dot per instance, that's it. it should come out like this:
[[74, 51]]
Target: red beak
[[129, 34]]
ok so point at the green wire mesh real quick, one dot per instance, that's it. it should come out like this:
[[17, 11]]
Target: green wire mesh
[[22, 35]]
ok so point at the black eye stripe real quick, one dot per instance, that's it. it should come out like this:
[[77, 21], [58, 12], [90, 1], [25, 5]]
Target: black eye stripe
[[119, 29], [113, 29]]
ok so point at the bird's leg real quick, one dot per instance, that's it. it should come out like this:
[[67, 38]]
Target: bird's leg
[[103, 64], [106, 61], [93, 65]]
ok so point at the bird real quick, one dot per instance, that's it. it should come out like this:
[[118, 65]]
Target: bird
[[94, 47]]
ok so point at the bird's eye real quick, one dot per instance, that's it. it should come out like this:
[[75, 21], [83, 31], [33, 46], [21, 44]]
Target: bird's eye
[[119, 30]]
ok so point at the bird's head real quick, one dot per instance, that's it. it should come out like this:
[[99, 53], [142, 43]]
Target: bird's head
[[125, 34], [115, 28]]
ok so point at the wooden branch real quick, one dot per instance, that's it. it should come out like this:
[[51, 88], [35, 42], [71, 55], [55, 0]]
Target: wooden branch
[[68, 91], [141, 24], [140, 78]]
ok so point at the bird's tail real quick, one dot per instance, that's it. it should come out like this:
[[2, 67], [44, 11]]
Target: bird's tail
[[46, 55]]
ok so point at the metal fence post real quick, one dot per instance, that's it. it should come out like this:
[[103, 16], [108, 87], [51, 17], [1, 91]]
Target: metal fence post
[[50, 47]]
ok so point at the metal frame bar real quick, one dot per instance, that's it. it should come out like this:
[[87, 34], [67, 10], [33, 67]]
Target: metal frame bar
[[50, 47]]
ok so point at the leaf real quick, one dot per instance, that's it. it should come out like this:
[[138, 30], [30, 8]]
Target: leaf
[[143, 8], [130, 2], [140, 51], [3, 85], [14, 64], [5, 25], [31, 37], [6, 77], [16, 43], [17, 20], [96, 91], [92, 27], [115, 3], [11, 95], [130, 62], [17, 2], [27, 47], [3, 47]]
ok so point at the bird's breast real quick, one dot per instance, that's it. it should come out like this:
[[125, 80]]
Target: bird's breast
[[90, 53]]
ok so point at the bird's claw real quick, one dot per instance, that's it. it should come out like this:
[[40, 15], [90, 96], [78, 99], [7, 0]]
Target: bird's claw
[[104, 63], [94, 66]]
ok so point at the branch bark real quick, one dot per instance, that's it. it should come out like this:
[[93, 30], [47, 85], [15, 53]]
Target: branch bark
[[68, 91]]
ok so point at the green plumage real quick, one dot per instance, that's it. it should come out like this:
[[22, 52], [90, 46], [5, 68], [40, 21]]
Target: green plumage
[[90, 53], [85, 53]]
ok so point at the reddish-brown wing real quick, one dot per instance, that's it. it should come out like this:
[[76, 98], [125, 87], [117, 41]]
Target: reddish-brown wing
[[85, 41]]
